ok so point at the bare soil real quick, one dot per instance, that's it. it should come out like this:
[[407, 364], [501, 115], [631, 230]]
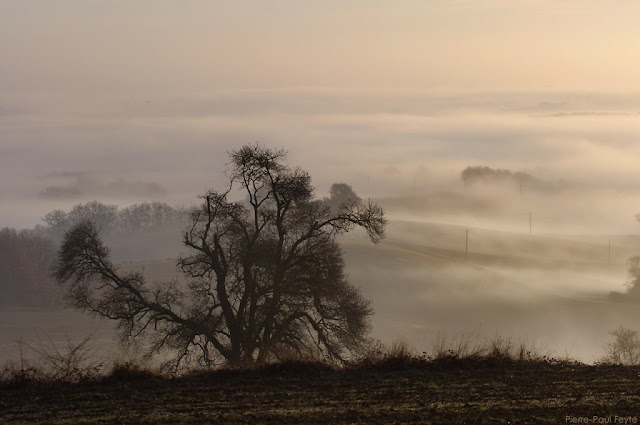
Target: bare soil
[[454, 393]]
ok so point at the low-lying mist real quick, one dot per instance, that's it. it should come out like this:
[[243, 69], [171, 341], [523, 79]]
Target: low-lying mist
[[533, 265], [496, 259]]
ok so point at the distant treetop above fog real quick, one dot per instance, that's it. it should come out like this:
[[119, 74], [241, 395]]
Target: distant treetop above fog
[[487, 175]]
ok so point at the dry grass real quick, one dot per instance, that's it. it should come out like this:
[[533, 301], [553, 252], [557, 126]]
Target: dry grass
[[131, 371], [471, 345], [46, 361], [462, 345], [400, 347]]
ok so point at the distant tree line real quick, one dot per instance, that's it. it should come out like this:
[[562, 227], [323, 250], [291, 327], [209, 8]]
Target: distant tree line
[[144, 231], [487, 175], [141, 232], [144, 217]]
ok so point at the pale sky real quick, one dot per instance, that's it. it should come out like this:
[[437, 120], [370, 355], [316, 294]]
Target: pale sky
[[156, 47], [145, 97]]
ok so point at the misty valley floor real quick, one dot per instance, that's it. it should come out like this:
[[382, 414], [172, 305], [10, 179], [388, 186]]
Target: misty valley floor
[[454, 393]]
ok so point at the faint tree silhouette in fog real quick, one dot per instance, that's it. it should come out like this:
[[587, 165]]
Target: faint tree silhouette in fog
[[148, 216], [342, 196], [632, 283], [624, 349], [265, 276], [127, 230], [27, 255], [483, 174], [488, 175], [633, 275], [56, 219], [102, 215]]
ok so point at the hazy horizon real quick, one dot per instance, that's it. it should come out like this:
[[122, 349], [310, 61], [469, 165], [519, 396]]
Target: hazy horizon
[[380, 145], [124, 102]]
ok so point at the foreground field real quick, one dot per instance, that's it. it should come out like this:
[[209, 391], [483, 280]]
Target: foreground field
[[459, 392]]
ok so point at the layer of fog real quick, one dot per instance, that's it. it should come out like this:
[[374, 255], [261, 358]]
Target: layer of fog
[[505, 260], [571, 209], [538, 262], [555, 291], [21, 328], [426, 277], [60, 150]]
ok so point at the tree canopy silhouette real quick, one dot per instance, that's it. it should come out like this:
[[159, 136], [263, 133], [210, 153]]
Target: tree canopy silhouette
[[264, 276]]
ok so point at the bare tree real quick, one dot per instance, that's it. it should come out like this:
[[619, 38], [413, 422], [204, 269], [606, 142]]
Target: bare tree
[[633, 276], [265, 276], [624, 349], [149, 217], [102, 215]]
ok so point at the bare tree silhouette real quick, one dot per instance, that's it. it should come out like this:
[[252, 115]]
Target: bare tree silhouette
[[265, 276]]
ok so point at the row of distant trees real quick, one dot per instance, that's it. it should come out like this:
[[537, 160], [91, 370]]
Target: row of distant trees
[[143, 217], [487, 175], [142, 231]]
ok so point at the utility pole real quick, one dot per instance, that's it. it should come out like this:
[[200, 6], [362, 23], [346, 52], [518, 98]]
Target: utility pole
[[466, 244]]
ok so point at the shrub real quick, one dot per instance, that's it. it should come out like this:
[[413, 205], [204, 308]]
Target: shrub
[[624, 349], [47, 361], [131, 371]]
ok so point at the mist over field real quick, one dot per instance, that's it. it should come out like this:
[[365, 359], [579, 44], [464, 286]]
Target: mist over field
[[547, 282], [126, 104], [538, 256]]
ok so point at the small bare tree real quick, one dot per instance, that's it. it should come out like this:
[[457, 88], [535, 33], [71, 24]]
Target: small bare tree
[[624, 349], [265, 276], [633, 275]]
